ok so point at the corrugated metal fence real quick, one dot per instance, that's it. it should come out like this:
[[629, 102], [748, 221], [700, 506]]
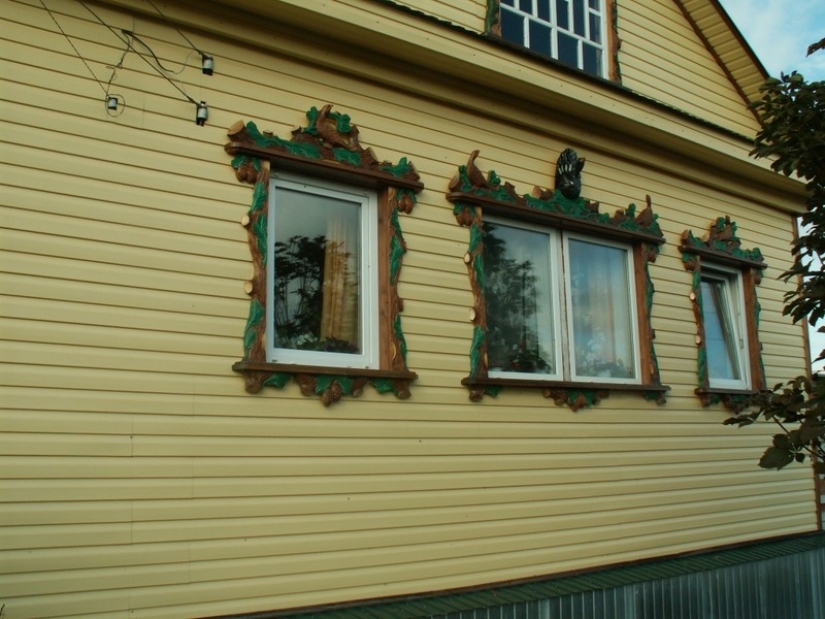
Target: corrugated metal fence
[[789, 587]]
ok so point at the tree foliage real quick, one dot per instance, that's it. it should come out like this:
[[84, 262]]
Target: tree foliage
[[792, 113]]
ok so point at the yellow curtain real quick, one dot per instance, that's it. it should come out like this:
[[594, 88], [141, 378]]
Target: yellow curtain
[[339, 318]]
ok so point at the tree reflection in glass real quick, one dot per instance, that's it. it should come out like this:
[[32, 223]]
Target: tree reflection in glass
[[517, 287]]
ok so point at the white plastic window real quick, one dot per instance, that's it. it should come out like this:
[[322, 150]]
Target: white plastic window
[[321, 273], [726, 345], [559, 306]]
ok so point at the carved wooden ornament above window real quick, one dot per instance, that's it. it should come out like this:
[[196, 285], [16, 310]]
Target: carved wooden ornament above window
[[327, 149], [570, 376]]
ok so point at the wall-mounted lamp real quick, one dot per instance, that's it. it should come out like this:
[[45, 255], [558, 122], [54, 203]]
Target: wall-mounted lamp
[[202, 114], [207, 64], [111, 103]]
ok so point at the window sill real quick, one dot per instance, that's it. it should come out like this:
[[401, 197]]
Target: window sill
[[735, 400], [575, 394], [329, 383]]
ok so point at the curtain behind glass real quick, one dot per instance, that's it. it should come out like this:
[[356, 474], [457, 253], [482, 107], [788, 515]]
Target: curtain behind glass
[[317, 282], [600, 307]]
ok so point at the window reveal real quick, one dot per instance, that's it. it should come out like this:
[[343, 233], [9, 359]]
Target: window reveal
[[562, 291]]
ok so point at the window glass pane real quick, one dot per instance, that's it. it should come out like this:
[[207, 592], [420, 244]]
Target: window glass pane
[[526, 6], [594, 4], [517, 286], [601, 311], [720, 338], [539, 38], [512, 27], [592, 57], [568, 50], [579, 17], [509, 2], [317, 288], [562, 16], [595, 28], [543, 10]]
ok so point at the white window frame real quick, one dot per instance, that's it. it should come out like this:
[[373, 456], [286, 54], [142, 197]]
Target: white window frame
[[554, 252], [630, 286], [563, 320], [555, 29], [368, 273], [735, 293]]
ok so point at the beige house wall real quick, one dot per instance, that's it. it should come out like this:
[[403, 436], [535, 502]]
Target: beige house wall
[[139, 479]]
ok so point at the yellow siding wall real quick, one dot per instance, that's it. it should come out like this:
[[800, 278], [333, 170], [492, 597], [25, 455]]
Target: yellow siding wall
[[140, 480], [684, 74]]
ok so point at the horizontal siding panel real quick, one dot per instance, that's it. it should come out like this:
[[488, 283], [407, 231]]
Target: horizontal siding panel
[[141, 480]]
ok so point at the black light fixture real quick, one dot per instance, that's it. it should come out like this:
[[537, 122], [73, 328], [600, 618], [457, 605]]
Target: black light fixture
[[111, 103], [207, 64], [202, 114]]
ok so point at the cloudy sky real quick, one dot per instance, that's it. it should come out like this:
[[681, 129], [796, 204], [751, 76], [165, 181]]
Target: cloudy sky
[[779, 31]]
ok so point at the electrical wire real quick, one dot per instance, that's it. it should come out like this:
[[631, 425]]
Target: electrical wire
[[126, 36], [68, 38], [167, 20]]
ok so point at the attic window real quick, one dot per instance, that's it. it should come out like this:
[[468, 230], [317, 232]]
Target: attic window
[[573, 32]]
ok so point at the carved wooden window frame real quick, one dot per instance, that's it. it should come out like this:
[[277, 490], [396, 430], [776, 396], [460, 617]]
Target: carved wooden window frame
[[474, 195], [610, 46], [327, 148], [721, 246]]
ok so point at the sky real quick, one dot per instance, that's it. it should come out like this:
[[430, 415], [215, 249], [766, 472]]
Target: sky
[[780, 31]]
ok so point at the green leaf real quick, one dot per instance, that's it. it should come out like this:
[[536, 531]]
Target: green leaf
[[775, 458]]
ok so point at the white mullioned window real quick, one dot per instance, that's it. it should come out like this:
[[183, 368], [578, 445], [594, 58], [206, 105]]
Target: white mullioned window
[[571, 31], [322, 273], [726, 341], [560, 306]]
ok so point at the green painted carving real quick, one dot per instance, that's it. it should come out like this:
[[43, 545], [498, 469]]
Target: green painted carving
[[399, 170], [722, 238], [259, 230], [256, 316], [613, 8], [397, 249], [493, 390], [491, 19], [651, 252], [477, 350], [399, 334], [277, 379], [259, 195], [301, 149], [346, 156], [471, 183]]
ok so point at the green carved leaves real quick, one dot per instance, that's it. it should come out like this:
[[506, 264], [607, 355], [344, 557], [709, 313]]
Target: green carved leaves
[[256, 316]]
